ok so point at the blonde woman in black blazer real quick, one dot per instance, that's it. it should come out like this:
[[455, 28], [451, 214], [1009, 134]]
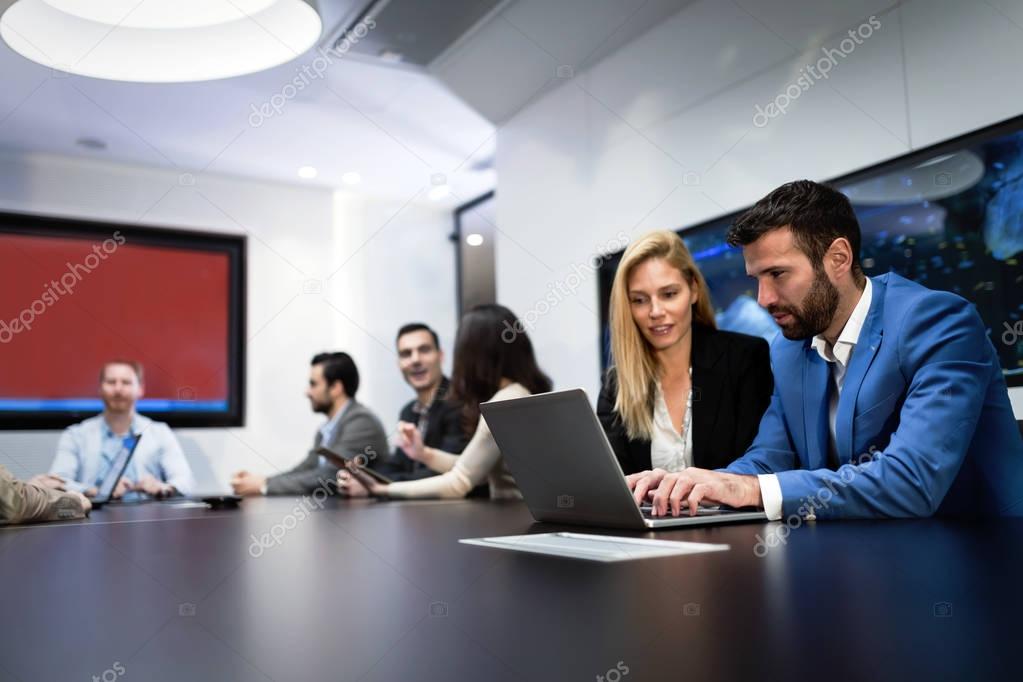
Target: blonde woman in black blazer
[[682, 393]]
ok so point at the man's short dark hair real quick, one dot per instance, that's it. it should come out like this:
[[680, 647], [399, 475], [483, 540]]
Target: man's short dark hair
[[339, 367], [134, 364], [417, 327], [816, 214]]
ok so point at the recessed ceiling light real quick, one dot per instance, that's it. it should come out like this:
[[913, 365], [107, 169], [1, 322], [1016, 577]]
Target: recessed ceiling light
[[351, 178], [93, 143], [439, 192], [160, 41], [307, 172], [474, 239]]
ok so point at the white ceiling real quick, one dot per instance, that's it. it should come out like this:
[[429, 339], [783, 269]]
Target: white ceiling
[[397, 127]]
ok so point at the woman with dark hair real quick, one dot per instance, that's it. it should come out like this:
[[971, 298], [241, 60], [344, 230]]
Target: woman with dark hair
[[493, 361]]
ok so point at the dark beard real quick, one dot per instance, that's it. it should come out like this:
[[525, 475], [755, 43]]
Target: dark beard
[[817, 312], [322, 408]]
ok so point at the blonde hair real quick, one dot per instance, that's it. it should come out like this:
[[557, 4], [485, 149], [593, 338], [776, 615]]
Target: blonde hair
[[634, 360]]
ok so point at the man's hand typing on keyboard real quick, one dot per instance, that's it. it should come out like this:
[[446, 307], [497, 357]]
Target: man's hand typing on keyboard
[[668, 492]]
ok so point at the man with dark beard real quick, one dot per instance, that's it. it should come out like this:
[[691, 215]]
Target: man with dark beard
[[889, 399], [351, 430]]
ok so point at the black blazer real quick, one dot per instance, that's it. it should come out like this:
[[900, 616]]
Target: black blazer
[[443, 431], [732, 385]]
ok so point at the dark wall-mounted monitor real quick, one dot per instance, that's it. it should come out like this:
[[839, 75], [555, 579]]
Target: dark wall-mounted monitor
[[949, 216], [77, 294]]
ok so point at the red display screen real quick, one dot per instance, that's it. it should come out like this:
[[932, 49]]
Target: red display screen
[[71, 303]]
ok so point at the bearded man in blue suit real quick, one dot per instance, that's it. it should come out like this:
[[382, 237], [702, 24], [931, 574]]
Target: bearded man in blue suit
[[889, 400]]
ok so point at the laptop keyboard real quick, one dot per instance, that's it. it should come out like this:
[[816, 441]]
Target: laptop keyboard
[[647, 512]]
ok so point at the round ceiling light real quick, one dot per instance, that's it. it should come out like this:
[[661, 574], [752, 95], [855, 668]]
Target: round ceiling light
[[148, 14], [160, 41]]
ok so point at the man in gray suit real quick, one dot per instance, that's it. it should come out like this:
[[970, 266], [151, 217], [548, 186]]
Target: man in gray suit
[[351, 430]]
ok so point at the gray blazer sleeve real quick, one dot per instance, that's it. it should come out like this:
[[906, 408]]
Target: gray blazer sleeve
[[358, 433], [304, 478]]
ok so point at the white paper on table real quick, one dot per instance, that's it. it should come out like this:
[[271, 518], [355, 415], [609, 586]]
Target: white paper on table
[[605, 548]]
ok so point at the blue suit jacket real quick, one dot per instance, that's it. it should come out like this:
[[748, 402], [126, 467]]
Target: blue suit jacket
[[924, 423]]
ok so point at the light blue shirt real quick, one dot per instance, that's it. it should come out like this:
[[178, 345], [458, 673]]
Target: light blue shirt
[[327, 430], [86, 451], [112, 445]]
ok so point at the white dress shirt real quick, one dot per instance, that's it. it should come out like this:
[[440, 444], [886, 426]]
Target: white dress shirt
[[669, 449], [838, 356]]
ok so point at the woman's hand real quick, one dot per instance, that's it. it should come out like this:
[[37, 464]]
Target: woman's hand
[[411, 441], [353, 482]]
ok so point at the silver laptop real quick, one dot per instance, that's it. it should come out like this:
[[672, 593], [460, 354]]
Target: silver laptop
[[563, 464]]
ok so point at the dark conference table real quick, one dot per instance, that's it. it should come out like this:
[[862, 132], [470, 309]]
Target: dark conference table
[[367, 590]]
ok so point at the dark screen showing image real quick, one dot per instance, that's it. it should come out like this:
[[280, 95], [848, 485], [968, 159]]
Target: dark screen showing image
[[951, 222]]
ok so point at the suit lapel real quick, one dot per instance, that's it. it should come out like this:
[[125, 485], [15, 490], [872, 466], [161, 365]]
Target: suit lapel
[[816, 376], [707, 386], [863, 355]]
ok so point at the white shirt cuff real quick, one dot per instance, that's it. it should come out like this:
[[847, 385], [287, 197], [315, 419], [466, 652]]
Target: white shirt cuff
[[770, 493]]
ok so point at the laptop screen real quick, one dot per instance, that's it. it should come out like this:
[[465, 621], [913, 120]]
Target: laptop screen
[[117, 467]]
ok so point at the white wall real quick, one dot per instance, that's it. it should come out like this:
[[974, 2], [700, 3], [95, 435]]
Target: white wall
[[394, 264], [610, 149], [297, 238]]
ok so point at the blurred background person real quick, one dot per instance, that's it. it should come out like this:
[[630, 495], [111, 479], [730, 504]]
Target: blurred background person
[[87, 450], [351, 430], [438, 419], [490, 364]]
